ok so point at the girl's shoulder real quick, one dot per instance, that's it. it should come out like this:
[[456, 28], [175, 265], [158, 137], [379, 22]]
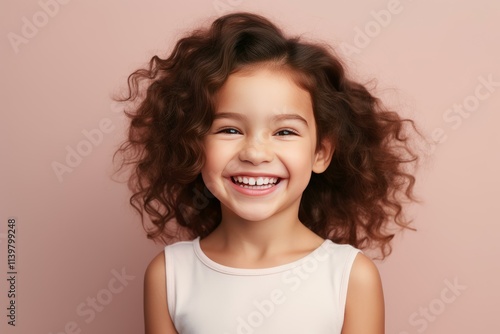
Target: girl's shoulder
[[157, 266], [364, 272]]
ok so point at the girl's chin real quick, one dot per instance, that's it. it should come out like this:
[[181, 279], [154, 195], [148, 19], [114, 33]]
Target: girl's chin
[[250, 215]]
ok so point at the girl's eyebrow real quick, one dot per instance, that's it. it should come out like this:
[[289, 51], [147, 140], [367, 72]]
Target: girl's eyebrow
[[230, 115], [242, 117], [283, 117]]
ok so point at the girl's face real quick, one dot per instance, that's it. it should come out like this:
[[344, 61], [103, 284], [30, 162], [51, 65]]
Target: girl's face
[[261, 148]]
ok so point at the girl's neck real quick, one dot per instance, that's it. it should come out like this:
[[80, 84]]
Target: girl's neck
[[275, 241]]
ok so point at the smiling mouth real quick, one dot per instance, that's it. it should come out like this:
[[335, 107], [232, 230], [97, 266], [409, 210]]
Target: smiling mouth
[[252, 182]]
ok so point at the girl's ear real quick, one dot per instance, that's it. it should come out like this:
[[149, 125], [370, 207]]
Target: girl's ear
[[323, 156]]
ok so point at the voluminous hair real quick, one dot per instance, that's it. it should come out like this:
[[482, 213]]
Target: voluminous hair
[[357, 200]]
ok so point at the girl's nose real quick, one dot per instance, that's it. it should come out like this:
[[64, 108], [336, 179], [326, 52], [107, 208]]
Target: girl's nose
[[256, 152]]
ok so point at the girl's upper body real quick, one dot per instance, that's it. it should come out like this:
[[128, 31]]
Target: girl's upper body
[[307, 295], [260, 149]]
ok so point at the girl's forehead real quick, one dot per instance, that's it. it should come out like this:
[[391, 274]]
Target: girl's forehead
[[262, 91], [268, 70]]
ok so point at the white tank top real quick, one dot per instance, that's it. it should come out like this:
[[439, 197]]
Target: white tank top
[[306, 296]]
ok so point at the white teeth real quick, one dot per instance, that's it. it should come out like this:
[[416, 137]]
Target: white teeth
[[255, 181]]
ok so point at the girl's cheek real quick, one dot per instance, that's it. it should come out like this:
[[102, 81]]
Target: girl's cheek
[[208, 181]]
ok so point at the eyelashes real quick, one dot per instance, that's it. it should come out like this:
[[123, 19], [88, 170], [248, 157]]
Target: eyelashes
[[287, 132], [229, 131], [280, 133]]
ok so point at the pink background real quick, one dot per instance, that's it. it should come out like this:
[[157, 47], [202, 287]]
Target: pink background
[[76, 232]]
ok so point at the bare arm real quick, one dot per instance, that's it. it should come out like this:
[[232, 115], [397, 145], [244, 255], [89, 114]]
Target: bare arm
[[364, 311], [156, 317]]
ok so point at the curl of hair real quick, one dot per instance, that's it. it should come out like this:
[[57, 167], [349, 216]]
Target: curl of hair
[[356, 200]]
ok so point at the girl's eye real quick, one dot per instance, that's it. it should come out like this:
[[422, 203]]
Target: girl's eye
[[286, 132], [230, 131]]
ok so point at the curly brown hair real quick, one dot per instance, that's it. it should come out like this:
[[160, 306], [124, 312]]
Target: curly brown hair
[[357, 200]]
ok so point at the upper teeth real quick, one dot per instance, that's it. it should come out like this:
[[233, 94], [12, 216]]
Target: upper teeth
[[252, 181]]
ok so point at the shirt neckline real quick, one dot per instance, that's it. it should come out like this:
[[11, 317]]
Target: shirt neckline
[[252, 271]]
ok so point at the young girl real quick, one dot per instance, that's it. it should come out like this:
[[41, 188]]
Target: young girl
[[277, 168]]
